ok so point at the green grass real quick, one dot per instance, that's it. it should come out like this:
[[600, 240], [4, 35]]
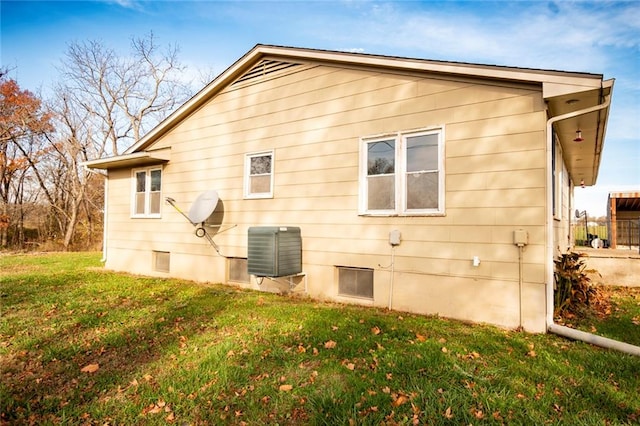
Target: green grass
[[178, 352]]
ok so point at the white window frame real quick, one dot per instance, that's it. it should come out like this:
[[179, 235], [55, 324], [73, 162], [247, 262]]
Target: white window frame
[[147, 193], [400, 173], [247, 175]]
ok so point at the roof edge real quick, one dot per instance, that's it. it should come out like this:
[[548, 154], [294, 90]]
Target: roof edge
[[558, 79]]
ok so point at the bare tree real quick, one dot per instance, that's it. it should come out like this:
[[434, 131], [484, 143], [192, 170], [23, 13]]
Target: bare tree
[[124, 96], [105, 103]]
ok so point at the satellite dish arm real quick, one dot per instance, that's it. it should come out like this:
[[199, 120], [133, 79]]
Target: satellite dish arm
[[173, 204]]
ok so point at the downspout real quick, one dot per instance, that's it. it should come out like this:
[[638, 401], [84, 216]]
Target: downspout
[[104, 214], [551, 327]]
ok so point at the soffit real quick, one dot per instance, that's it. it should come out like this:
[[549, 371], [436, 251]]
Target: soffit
[[138, 159], [581, 157]]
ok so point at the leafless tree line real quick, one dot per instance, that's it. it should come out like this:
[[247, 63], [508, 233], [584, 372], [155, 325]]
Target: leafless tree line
[[102, 104]]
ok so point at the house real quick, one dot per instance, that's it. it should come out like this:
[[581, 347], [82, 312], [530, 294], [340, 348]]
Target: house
[[422, 186]]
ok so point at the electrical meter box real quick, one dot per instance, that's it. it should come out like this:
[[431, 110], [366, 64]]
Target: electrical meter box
[[274, 251]]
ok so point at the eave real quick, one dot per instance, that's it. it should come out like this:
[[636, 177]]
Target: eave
[[582, 157], [136, 159]]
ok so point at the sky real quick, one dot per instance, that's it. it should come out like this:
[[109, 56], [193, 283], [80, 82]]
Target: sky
[[600, 37]]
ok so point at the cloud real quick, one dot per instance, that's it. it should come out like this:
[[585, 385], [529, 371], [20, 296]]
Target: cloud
[[563, 35], [127, 4]]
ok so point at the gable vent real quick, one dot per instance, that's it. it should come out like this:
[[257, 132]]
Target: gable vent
[[264, 69]]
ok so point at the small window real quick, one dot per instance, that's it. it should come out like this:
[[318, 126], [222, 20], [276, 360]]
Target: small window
[[161, 261], [402, 174], [147, 192], [355, 282], [258, 175], [238, 270]]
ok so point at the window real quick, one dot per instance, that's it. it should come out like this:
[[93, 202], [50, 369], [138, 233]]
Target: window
[[402, 174], [147, 192], [258, 175], [357, 282]]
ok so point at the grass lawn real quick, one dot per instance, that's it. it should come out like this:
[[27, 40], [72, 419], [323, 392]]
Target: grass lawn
[[79, 345]]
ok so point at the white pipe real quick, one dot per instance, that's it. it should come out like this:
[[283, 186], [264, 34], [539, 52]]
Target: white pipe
[[550, 233], [105, 219], [604, 342], [520, 279], [551, 327], [393, 251]]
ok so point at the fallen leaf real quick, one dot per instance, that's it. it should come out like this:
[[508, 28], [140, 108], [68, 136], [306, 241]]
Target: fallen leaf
[[478, 414], [401, 399], [420, 337], [330, 344], [285, 388], [376, 330], [155, 410], [448, 413], [171, 417], [91, 368], [445, 350], [351, 366]]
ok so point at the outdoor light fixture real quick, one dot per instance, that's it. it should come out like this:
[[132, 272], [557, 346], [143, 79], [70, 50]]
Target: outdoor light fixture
[[578, 137]]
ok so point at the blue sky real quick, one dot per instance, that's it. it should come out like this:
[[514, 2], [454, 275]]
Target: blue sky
[[601, 37]]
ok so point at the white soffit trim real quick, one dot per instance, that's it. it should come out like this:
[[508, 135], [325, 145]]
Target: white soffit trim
[[131, 160]]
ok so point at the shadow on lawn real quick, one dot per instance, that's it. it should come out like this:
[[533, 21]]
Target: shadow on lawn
[[42, 374]]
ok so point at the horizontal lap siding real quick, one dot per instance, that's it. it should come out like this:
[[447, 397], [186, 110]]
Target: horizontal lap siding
[[313, 119]]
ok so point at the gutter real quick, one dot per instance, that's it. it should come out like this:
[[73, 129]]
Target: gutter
[[551, 326]]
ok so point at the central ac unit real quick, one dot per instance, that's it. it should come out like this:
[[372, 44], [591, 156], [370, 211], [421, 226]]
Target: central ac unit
[[274, 251]]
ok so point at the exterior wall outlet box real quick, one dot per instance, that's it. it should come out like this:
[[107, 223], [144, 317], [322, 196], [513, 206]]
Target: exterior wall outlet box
[[520, 237], [394, 237], [274, 251]]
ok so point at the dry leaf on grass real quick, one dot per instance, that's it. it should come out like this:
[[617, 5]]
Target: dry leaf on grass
[[448, 413], [330, 344], [91, 368], [285, 388]]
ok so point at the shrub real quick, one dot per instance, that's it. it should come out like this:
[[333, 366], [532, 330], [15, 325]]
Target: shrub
[[573, 290]]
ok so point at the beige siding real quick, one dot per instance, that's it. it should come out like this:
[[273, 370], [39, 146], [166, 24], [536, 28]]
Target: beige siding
[[313, 119]]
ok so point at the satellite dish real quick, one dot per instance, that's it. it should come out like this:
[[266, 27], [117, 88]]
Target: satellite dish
[[204, 205]]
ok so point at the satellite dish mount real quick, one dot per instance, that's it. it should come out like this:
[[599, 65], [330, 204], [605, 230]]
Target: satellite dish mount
[[200, 210]]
